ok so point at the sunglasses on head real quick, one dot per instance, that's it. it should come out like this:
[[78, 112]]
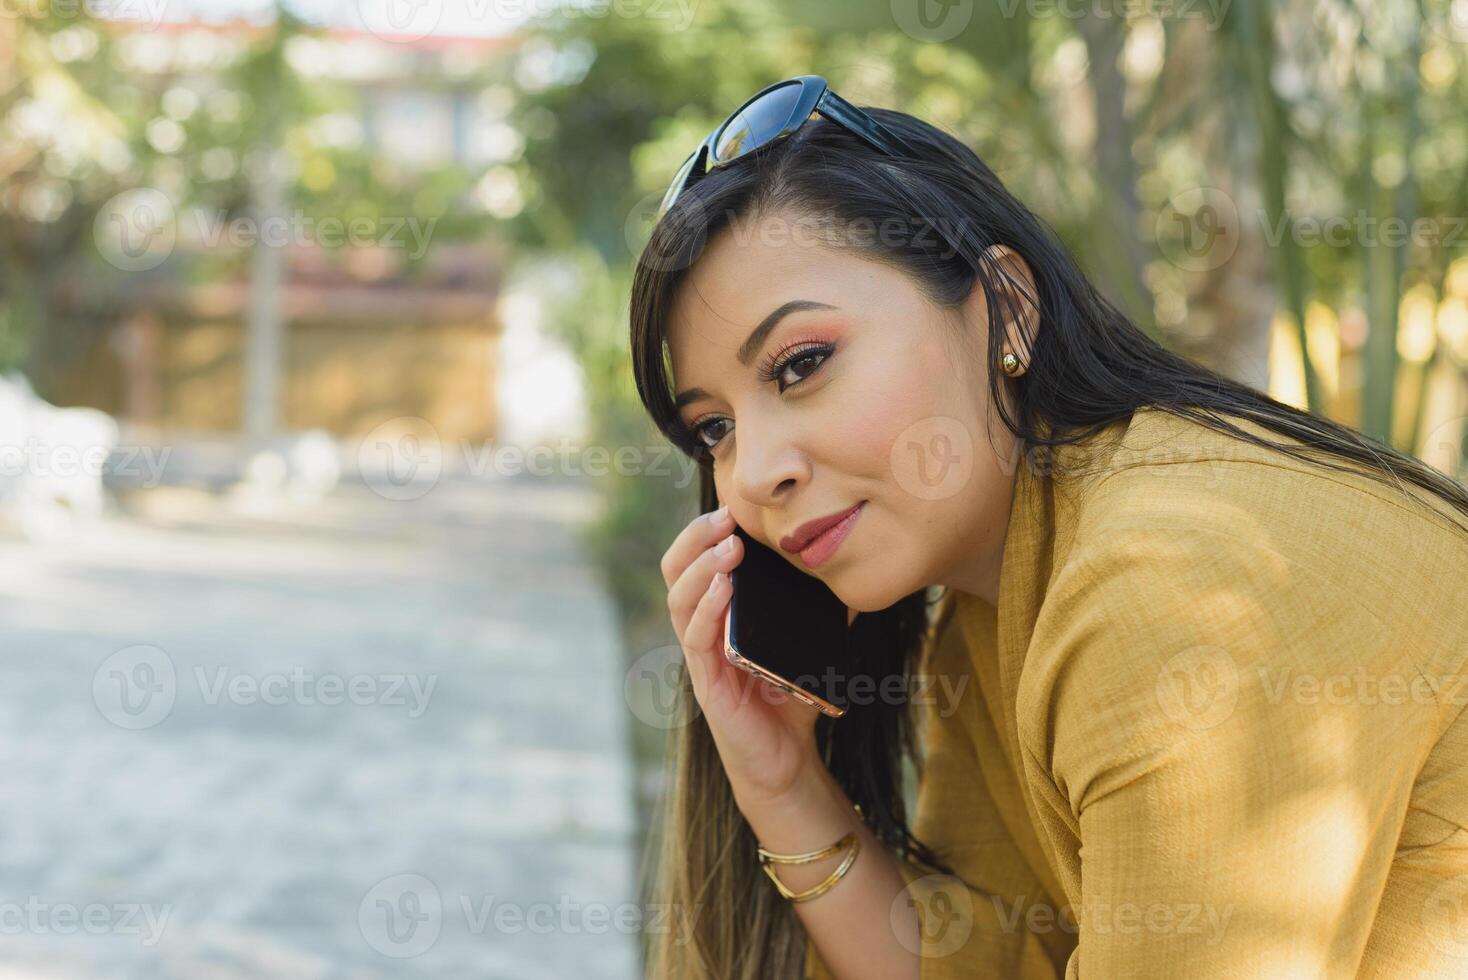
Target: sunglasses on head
[[774, 111]]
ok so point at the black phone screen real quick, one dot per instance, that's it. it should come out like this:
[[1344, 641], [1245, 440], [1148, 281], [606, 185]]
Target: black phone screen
[[789, 622]]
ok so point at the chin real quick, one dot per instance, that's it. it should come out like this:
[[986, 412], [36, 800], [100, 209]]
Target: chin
[[865, 597]]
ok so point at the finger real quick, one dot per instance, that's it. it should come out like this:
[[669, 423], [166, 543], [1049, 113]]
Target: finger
[[704, 638], [698, 534], [686, 592]]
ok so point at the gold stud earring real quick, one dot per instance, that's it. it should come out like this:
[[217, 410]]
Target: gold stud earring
[[1010, 363]]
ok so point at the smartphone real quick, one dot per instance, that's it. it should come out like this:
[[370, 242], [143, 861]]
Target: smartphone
[[787, 628]]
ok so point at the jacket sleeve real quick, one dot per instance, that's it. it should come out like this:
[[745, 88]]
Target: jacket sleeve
[[967, 934], [985, 926], [1229, 741]]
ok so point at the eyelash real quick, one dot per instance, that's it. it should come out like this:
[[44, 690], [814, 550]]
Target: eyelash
[[773, 367]]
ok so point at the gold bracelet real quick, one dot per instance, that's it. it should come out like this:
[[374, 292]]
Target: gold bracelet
[[850, 840], [767, 858], [770, 857]]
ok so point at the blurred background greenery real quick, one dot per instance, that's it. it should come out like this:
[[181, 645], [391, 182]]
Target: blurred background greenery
[[1279, 190], [1275, 189]]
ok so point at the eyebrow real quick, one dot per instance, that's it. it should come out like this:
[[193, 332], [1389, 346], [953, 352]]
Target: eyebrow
[[756, 338]]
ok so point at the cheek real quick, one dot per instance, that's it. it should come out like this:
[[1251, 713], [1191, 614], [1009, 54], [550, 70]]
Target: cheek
[[898, 401], [924, 438]]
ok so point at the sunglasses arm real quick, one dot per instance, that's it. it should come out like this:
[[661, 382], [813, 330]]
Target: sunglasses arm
[[848, 115]]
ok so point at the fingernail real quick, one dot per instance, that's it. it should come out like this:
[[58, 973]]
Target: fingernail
[[725, 546], [721, 515], [717, 583]]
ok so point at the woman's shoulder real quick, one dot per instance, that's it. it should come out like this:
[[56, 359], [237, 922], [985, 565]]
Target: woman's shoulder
[[1181, 538], [1160, 475]]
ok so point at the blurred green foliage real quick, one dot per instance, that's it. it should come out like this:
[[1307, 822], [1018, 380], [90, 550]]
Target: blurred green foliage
[[90, 109], [1136, 130], [1107, 121]]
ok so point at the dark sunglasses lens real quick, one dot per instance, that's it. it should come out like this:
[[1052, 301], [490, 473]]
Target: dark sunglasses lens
[[677, 184], [757, 123]]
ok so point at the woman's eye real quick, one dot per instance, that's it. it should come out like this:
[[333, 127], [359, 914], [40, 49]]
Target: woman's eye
[[801, 365], [701, 433], [812, 358]]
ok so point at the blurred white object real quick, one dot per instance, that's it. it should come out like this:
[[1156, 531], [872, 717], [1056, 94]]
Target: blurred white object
[[541, 390], [297, 469], [314, 463], [266, 471], [51, 460]]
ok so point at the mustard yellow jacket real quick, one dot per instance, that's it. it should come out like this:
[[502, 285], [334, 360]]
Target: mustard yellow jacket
[[1214, 728]]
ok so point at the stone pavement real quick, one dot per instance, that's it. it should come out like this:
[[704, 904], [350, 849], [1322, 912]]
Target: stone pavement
[[361, 738]]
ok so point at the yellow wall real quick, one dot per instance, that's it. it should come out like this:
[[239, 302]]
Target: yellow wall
[[346, 377]]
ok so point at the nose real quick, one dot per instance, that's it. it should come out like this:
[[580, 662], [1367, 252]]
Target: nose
[[768, 463]]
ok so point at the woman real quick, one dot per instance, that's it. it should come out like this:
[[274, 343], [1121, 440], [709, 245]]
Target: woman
[[1192, 659]]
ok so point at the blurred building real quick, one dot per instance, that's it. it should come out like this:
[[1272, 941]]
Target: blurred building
[[355, 352], [368, 331]]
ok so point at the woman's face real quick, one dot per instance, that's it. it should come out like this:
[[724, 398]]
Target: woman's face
[[884, 404]]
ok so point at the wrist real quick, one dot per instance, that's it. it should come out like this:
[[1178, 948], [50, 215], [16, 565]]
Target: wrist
[[811, 813], [811, 783]]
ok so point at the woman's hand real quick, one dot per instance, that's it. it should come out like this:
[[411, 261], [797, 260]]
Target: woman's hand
[[765, 737]]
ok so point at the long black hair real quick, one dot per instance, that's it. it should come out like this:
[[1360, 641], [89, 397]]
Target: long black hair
[[1088, 366]]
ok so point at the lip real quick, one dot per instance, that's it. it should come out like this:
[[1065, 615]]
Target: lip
[[817, 540]]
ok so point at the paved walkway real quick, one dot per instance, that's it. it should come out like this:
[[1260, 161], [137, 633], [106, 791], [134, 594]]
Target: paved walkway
[[363, 738]]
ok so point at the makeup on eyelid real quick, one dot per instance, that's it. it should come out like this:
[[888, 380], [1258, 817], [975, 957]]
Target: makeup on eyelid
[[803, 335], [770, 368]]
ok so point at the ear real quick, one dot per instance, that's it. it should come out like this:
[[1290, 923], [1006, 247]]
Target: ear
[[1011, 276]]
